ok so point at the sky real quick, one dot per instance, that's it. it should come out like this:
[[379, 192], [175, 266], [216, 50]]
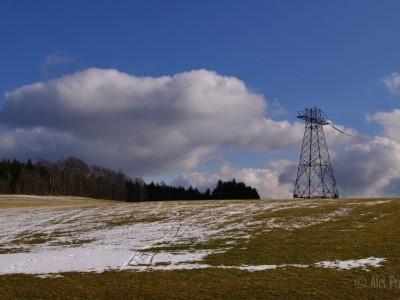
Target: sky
[[189, 92]]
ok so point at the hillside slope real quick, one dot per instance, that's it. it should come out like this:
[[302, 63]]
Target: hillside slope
[[345, 246]]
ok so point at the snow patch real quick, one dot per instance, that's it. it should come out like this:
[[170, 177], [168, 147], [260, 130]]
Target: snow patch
[[140, 236], [353, 263]]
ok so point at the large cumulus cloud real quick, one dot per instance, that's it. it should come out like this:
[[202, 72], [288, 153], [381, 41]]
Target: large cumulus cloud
[[151, 126], [144, 125]]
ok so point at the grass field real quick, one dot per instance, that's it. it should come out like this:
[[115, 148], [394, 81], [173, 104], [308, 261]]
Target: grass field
[[59, 247]]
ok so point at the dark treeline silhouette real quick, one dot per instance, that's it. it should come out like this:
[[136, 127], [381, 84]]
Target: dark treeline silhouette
[[234, 190], [73, 177]]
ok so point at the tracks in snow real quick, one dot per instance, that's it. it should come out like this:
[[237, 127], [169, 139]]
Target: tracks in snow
[[172, 230], [137, 236]]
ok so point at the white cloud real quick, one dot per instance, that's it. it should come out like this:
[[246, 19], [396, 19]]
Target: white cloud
[[392, 82], [336, 139], [367, 166], [361, 170], [55, 60], [143, 125], [369, 169], [372, 168], [150, 126], [273, 182], [363, 167], [389, 121]]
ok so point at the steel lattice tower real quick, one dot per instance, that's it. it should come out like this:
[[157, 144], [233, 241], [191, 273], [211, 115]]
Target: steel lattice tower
[[315, 177]]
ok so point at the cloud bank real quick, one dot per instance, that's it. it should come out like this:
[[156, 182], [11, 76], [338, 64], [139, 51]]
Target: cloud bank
[[143, 125], [152, 126], [362, 170]]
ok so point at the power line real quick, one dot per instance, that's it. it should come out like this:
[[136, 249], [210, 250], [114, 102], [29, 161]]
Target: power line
[[340, 130], [362, 138]]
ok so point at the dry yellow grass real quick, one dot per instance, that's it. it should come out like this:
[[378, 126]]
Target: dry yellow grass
[[23, 201]]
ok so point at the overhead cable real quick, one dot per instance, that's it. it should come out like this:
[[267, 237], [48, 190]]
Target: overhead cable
[[364, 139]]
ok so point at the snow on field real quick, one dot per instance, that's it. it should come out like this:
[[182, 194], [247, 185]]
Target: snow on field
[[353, 263], [140, 236]]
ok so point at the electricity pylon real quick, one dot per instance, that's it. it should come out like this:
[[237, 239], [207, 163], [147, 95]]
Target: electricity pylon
[[315, 177]]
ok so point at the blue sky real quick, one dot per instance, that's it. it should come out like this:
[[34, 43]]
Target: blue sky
[[342, 56]]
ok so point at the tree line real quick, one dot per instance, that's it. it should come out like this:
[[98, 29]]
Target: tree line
[[73, 177]]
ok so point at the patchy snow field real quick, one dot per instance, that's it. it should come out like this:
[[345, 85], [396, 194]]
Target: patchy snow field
[[98, 236]]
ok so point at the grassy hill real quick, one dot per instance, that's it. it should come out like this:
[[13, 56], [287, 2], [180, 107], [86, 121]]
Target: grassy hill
[[55, 247]]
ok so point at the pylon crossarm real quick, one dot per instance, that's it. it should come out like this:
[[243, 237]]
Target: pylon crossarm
[[313, 115]]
